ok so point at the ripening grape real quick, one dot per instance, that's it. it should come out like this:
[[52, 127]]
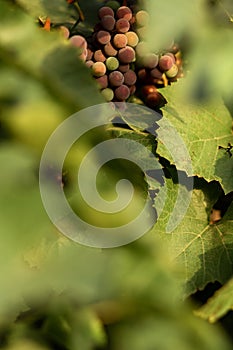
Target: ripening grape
[[171, 55], [108, 94], [148, 89], [102, 81], [112, 63], [103, 37], [113, 4], [155, 100], [110, 50], [130, 77], [90, 54], [83, 55], [78, 41], [116, 78], [165, 62], [99, 56], [132, 38], [122, 92], [89, 63], [142, 18], [120, 41], [65, 32], [122, 25], [123, 68], [172, 72], [98, 69], [105, 11], [150, 60], [132, 89], [108, 22], [124, 12], [126, 54]]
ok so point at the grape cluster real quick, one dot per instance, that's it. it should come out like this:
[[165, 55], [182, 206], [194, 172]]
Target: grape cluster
[[119, 59]]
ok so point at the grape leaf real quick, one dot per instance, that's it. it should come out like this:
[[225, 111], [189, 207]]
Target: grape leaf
[[204, 251], [218, 305], [203, 129]]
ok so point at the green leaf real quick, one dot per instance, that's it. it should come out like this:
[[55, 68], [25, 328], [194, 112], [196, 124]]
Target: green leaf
[[203, 128], [204, 251], [218, 305]]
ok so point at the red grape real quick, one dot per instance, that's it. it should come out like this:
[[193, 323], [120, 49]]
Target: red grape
[[123, 68], [103, 37], [65, 31], [102, 81], [124, 12], [122, 25], [78, 41], [156, 73], [110, 50], [165, 62], [99, 56]]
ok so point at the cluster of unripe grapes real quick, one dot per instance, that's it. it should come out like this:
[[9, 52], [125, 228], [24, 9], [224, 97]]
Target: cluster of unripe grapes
[[119, 59]]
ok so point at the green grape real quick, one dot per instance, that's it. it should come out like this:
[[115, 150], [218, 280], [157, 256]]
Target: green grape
[[112, 63], [108, 94], [172, 72], [142, 18]]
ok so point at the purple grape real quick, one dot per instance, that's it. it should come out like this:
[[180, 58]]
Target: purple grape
[[105, 11], [126, 55], [130, 77], [156, 73], [116, 78], [108, 22], [122, 92]]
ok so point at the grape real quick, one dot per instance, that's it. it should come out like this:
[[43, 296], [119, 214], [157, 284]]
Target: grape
[[172, 72], [99, 56], [116, 78], [89, 63], [123, 68], [142, 49], [142, 33], [112, 63], [148, 89], [130, 77], [90, 54], [124, 12], [165, 62], [156, 73], [126, 54], [78, 41], [142, 74], [108, 94], [120, 41], [142, 18], [150, 60], [122, 25], [103, 37], [122, 92], [83, 55], [102, 81], [98, 69], [108, 22], [132, 38], [65, 32], [105, 11], [132, 89], [171, 55], [110, 50], [113, 4], [155, 100]]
